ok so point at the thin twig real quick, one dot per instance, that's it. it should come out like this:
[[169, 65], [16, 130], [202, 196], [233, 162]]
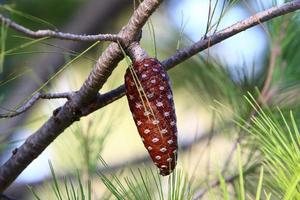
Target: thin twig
[[275, 52], [28, 104], [58, 35], [110, 58]]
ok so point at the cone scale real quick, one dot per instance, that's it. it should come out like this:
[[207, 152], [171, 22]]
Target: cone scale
[[150, 100]]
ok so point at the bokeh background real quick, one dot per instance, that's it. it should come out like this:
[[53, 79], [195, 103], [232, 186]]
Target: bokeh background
[[222, 73]]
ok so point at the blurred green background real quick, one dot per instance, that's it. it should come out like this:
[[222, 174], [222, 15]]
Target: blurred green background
[[208, 88]]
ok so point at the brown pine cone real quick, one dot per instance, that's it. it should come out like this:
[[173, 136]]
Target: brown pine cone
[[151, 102]]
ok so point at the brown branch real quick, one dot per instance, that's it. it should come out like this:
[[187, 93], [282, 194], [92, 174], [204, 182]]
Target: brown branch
[[94, 17], [58, 35], [113, 54], [86, 96], [201, 45], [28, 104], [71, 111]]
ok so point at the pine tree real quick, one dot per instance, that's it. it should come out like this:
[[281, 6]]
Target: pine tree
[[249, 150]]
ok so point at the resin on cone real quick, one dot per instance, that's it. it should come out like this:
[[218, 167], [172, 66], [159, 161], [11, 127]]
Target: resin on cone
[[151, 103]]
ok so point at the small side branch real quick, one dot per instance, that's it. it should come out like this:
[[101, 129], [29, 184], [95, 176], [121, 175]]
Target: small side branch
[[58, 35], [201, 45], [28, 104]]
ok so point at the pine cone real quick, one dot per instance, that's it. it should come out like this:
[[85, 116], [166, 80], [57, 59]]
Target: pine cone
[[151, 102]]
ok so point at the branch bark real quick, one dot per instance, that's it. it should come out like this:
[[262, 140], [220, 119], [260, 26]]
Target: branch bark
[[71, 111], [113, 54], [57, 34], [85, 100], [94, 16], [214, 39]]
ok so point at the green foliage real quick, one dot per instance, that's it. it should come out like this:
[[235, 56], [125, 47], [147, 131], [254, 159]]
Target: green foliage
[[284, 33], [23, 15], [260, 184], [58, 15], [3, 36], [279, 143], [20, 12], [67, 190], [148, 184], [223, 186]]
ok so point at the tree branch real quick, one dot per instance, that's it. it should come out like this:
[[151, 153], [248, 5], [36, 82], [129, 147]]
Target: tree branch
[[94, 17], [28, 104], [73, 109], [201, 45], [58, 35], [70, 112], [113, 54]]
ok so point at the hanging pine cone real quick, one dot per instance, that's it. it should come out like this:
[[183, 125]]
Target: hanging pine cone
[[151, 102]]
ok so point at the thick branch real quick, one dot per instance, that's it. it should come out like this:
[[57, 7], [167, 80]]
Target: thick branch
[[94, 17], [113, 54], [58, 35], [28, 104], [71, 111]]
